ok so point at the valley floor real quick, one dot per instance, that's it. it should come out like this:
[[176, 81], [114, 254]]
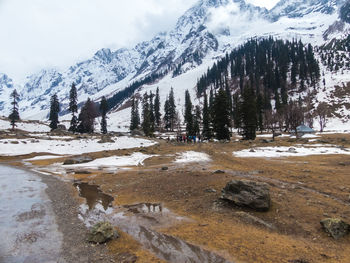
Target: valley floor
[[183, 179]]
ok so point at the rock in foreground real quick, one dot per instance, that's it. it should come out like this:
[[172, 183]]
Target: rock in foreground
[[251, 194], [335, 227], [101, 233]]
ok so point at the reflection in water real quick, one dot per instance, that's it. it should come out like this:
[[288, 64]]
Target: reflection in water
[[93, 195], [167, 247], [140, 222]]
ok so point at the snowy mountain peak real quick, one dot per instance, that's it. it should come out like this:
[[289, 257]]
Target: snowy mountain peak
[[299, 8], [205, 32], [104, 54]]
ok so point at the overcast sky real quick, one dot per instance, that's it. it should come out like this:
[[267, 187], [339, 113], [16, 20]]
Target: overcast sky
[[58, 33]]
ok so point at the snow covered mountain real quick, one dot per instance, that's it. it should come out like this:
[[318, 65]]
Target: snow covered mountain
[[204, 33]]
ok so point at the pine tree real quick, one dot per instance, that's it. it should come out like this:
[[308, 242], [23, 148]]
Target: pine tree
[[221, 116], [152, 117], [86, 118], [188, 114], [54, 111], [157, 113], [237, 113], [73, 108], [172, 110], [197, 121], [135, 117], [14, 116], [249, 114], [146, 122], [103, 110], [259, 109], [167, 122], [207, 133]]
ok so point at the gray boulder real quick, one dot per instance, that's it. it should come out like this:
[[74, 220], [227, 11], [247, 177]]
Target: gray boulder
[[335, 227], [77, 160], [101, 233], [250, 194]]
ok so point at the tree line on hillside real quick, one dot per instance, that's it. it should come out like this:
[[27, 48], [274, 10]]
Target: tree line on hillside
[[248, 90], [258, 78]]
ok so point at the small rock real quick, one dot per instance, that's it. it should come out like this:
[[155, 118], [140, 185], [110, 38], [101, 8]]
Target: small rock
[[219, 172], [335, 227], [165, 168], [210, 190], [245, 193], [292, 150], [252, 151], [101, 233], [14, 142]]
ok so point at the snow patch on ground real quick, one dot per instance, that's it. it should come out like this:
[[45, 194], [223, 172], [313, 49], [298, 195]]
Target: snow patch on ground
[[116, 161], [25, 126], [282, 151], [192, 157], [44, 157], [12, 147], [310, 136]]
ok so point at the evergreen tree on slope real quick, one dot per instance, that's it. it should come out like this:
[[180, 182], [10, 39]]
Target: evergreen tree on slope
[[73, 108], [54, 111], [103, 110]]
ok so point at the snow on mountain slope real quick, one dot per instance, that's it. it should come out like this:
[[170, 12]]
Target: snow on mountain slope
[[204, 33], [6, 87]]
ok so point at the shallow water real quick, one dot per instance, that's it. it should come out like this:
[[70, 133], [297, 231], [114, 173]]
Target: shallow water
[[28, 229], [93, 195], [141, 221]]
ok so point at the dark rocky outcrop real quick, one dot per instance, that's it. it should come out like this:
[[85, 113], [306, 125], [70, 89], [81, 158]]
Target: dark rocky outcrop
[[77, 160], [249, 194], [335, 227]]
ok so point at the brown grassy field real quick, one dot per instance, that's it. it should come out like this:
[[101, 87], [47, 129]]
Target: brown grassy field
[[304, 190]]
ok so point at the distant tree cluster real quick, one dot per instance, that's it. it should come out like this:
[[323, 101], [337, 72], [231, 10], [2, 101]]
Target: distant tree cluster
[[85, 121], [151, 115], [257, 78], [120, 96]]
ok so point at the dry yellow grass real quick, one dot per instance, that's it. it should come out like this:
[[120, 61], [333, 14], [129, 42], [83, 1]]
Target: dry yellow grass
[[304, 190]]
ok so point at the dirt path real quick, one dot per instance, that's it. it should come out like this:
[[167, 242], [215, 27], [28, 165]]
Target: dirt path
[[65, 206]]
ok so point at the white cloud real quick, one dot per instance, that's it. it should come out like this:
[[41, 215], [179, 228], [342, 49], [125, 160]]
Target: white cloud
[[48, 33]]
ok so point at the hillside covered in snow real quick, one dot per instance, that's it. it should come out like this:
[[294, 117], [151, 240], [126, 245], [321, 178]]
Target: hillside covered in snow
[[180, 57]]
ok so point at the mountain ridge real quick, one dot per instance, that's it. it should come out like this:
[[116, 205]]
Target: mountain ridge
[[199, 35]]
